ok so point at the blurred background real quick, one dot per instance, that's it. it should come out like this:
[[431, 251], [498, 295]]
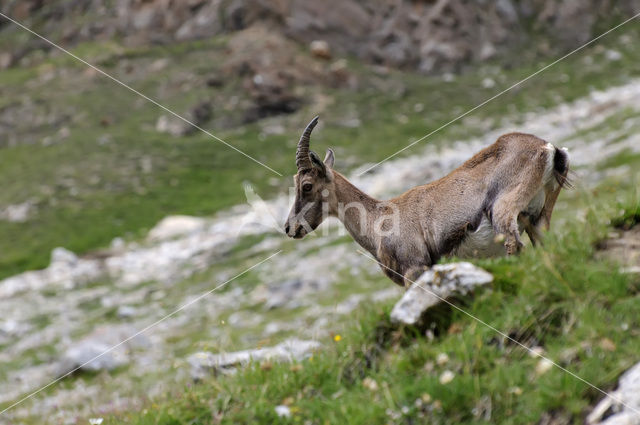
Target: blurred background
[[114, 212]]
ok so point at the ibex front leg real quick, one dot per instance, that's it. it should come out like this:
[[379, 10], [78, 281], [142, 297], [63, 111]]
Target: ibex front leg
[[412, 275]]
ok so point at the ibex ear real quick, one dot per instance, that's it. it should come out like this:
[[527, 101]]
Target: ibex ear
[[329, 158], [315, 161]]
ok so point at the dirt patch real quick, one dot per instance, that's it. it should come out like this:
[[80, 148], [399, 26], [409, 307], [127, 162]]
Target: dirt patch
[[623, 246]]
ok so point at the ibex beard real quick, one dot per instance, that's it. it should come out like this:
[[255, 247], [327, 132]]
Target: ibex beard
[[480, 209]]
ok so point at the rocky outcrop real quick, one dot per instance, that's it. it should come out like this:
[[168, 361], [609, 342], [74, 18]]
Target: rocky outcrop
[[624, 407], [429, 36], [443, 281], [204, 363]]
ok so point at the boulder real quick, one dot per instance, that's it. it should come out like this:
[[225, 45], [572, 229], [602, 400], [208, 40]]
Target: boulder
[[623, 408], [203, 363], [441, 282]]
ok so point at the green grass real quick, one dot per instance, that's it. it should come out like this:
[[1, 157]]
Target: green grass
[[95, 175], [629, 218], [578, 308]]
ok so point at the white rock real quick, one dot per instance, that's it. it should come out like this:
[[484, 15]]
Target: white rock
[[126, 311], [488, 83], [175, 225], [625, 403], [442, 359], [61, 255], [613, 55], [172, 125], [441, 282], [446, 377], [543, 366], [17, 213], [283, 411], [204, 362], [92, 355]]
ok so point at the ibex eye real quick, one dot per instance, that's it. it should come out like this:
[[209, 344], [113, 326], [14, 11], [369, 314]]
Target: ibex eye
[[306, 187]]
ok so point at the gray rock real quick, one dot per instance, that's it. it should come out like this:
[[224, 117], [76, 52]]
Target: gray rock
[[61, 255], [623, 410], [84, 353], [172, 125], [17, 213], [507, 10], [104, 349], [203, 363], [441, 282], [126, 312], [10, 329]]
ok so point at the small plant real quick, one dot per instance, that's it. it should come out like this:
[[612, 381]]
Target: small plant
[[628, 219]]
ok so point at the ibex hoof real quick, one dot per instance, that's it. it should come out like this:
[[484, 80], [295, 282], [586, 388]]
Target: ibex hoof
[[513, 247]]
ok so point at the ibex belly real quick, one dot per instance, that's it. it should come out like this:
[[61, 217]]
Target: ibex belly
[[480, 243], [483, 242]]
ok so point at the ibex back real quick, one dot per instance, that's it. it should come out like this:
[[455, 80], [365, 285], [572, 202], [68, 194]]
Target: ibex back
[[480, 209]]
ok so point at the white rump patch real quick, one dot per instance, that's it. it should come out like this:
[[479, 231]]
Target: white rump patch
[[548, 169]]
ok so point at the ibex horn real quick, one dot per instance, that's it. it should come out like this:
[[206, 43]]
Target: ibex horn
[[303, 161]]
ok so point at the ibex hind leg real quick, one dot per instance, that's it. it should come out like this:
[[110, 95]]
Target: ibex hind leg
[[506, 212], [532, 226]]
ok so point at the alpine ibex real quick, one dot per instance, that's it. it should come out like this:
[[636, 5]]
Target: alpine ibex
[[504, 189]]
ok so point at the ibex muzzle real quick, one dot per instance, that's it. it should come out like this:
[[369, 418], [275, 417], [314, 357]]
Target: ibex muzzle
[[479, 209]]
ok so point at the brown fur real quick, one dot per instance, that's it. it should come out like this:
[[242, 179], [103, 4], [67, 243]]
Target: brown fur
[[498, 183]]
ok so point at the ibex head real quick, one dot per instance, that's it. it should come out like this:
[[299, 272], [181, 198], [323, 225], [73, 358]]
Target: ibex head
[[314, 184]]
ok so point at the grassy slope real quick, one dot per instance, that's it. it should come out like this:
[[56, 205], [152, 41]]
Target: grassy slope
[[78, 182], [579, 298], [579, 309]]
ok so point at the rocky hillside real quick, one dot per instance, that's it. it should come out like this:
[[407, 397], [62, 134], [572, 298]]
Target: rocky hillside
[[429, 36], [114, 214], [85, 305]]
